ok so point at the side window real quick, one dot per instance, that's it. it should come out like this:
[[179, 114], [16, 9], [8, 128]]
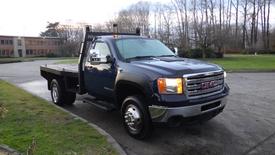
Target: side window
[[102, 48], [99, 53]]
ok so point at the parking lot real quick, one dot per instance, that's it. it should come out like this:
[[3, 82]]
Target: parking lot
[[247, 125]]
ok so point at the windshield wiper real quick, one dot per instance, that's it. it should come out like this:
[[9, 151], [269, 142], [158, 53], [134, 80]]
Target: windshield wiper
[[140, 57], [167, 55]]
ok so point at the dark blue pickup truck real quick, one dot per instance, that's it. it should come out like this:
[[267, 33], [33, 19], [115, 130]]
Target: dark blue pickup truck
[[142, 78]]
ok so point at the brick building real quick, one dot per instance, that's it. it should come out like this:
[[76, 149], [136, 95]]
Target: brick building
[[15, 46]]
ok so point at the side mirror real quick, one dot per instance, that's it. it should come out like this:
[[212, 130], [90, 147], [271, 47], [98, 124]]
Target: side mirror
[[109, 59]]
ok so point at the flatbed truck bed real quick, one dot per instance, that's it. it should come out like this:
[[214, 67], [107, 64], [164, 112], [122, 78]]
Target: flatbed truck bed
[[63, 72]]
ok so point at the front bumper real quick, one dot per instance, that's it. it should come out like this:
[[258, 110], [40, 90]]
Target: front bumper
[[164, 114]]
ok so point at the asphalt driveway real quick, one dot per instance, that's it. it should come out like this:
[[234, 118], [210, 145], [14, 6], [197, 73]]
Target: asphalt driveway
[[247, 125]]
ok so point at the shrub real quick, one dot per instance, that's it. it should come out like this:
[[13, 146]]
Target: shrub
[[209, 53], [51, 55], [183, 53], [258, 51], [233, 51], [195, 53], [198, 53], [219, 54]]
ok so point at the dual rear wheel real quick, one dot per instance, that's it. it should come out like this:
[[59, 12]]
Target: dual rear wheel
[[59, 95]]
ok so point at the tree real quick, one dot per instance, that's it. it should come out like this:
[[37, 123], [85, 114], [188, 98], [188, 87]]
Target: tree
[[137, 15], [267, 29], [244, 35], [70, 37], [51, 30]]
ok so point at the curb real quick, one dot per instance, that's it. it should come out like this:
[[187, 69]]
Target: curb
[[251, 71], [9, 150], [110, 139], [8, 62]]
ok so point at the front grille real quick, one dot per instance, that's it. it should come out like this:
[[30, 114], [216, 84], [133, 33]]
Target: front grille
[[204, 84]]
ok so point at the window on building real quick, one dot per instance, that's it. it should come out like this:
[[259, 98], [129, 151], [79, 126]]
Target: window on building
[[20, 52], [27, 52], [19, 42], [12, 53], [10, 42], [3, 52], [2, 42]]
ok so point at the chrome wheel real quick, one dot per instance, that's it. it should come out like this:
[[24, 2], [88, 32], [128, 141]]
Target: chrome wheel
[[55, 94], [133, 119]]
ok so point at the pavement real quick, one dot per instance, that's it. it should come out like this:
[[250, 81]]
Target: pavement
[[247, 125]]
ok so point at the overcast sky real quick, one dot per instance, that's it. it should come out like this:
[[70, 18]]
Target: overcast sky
[[30, 17]]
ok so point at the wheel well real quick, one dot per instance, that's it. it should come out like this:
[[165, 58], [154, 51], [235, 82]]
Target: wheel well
[[124, 90], [50, 78]]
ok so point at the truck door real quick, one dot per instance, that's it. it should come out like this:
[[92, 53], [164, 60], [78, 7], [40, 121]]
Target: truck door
[[99, 73]]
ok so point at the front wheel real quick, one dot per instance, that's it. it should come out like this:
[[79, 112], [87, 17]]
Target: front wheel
[[136, 117]]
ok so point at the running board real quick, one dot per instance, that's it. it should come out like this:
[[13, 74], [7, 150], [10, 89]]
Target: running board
[[103, 105]]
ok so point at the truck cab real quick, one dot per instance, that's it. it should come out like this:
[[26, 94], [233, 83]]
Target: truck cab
[[142, 78]]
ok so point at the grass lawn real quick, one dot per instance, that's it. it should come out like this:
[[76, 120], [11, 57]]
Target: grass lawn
[[246, 62], [235, 62], [54, 131], [68, 61]]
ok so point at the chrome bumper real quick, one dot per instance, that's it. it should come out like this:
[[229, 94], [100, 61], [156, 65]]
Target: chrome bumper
[[162, 114]]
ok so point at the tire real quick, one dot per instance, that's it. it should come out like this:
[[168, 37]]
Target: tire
[[136, 117], [70, 98], [59, 95]]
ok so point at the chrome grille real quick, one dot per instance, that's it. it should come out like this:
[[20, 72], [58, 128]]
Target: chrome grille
[[204, 84]]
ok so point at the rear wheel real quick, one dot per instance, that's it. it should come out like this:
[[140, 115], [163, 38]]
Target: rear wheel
[[59, 95], [136, 117]]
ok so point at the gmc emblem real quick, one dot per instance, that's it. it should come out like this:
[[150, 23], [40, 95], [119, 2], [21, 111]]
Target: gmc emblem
[[208, 84]]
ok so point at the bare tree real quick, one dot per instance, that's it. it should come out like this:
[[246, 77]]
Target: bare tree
[[244, 36], [267, 29], [216, 24], [137, 15]]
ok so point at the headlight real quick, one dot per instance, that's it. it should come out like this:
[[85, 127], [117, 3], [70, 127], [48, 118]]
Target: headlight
[[224, 74], [170, 85]]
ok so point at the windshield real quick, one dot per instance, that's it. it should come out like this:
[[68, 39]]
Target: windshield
[[141, 47]]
